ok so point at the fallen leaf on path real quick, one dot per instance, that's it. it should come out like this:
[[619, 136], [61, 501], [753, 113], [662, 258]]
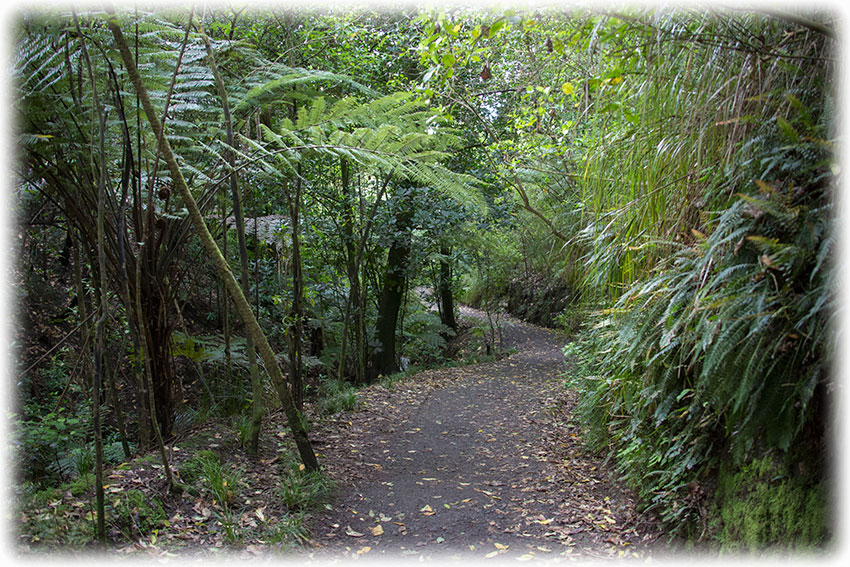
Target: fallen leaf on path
[[351, 532], [377, 530], [490, 494]]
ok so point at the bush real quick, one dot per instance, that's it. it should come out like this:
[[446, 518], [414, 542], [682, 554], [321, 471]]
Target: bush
[[44, 446], [424, 338], [725, 350], [192, 470], [288, 531]]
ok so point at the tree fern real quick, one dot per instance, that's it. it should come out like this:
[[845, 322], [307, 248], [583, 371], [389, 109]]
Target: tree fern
[[387, 134]]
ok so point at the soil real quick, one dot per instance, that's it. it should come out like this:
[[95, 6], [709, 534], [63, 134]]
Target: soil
[[474, 462]]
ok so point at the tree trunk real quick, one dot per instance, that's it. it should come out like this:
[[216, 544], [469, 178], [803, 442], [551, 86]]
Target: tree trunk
[[153, 357], [296, 314], [447, 306], [258, 409], [293, 415], [225, 318], [392, 295], [102, 305], [85, 331], [354, 315], [100, 337]]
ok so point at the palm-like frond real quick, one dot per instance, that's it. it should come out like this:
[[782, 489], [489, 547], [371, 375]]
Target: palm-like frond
[[389, 134]]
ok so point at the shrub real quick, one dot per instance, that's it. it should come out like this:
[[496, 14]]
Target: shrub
[[723, 350], [288, 531], [192, 470], [424, 337]]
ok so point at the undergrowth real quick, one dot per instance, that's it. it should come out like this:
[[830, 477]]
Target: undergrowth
[[716, 359], [725, 351]]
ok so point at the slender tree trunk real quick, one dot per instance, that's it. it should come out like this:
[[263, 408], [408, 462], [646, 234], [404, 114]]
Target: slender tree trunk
[[101, 288], [82, 308], [293, 415], [99, 370], [88, 373], [225, 317], [354, 302], [360, 276], [258, 409], [447, 306], [148, 378], [119, 412], [296, 329], [129, 306]]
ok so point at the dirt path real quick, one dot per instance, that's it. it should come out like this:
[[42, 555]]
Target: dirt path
[[473, 462]]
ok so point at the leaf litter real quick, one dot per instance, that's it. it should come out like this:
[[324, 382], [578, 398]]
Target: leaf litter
[[484, 461], [479, 461]]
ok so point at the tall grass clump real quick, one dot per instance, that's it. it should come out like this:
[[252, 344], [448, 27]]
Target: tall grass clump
[[711, 262]]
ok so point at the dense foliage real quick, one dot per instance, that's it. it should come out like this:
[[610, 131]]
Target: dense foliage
[[660, 182], [720, 349], [685, 165]]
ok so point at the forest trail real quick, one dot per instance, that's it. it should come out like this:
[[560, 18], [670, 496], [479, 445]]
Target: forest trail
[[473, 462]]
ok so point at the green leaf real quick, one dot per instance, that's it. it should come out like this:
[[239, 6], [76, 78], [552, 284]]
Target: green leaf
[[498, 25], [788, 130]]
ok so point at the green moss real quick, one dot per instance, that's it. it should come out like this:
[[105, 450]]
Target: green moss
[[43, 497], [49, 520], [81, 485], [761, 507]]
